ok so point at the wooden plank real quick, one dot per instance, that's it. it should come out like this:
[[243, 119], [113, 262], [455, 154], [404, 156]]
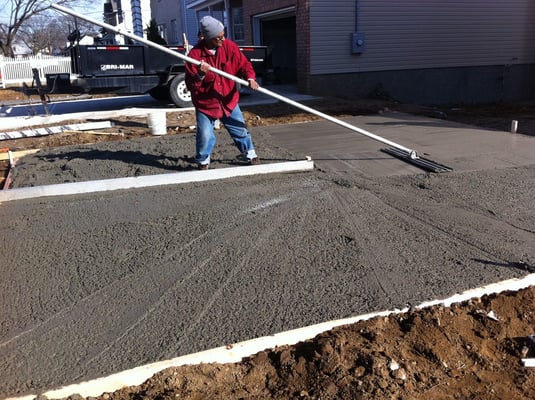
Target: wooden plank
[[17, 154]]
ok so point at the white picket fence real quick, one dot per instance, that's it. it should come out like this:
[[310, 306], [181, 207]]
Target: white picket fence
[[16, 71]]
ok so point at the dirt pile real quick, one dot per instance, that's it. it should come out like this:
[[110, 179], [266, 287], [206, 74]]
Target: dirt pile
[[471, 350]]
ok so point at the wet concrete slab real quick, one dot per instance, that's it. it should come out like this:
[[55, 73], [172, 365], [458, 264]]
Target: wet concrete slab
[[107, 282], [460, 147]]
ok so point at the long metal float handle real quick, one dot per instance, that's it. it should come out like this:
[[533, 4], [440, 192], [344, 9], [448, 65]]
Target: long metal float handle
[[411, 153]]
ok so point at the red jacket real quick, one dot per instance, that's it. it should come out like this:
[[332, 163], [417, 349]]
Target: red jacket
[[215, 95]]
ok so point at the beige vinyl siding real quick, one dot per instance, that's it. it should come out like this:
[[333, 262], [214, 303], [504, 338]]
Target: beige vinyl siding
[[416, 34]]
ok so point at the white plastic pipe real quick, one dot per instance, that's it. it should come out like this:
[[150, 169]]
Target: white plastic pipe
[[112, 28], [514, 126]]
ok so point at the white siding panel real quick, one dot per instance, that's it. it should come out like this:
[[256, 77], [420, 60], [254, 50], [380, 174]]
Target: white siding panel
[[409, 34]]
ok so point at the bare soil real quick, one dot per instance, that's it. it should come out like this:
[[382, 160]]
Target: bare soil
[[455, 352], [471, 350]]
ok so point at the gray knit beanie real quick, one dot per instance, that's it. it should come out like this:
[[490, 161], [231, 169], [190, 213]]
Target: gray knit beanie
[[210, 27]]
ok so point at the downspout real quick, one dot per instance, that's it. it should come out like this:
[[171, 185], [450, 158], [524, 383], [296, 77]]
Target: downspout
[[356, 15]]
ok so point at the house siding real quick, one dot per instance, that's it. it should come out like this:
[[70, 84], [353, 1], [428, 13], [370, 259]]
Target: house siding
[[191, 24], [424, 51], [165, 11], [160, 12], [415, 34]]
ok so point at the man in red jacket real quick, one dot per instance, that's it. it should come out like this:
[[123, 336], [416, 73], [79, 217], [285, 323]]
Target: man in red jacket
[[216, 97]]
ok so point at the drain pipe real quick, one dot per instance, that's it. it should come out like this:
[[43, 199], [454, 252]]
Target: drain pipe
[[356, 15]]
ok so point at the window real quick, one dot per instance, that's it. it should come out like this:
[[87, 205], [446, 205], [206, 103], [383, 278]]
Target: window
[[174, 31], [162, 31], [237, 24]]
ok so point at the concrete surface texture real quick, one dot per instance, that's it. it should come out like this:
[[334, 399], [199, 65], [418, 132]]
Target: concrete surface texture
[[461, 147], [98, 283]]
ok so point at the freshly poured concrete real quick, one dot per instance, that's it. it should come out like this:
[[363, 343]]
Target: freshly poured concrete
[[98, 283], [461, 147]]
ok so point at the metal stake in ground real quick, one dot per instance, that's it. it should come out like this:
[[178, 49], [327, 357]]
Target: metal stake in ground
[[401, 152]]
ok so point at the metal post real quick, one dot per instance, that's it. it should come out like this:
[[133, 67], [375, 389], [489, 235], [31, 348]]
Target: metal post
[[40, 90]]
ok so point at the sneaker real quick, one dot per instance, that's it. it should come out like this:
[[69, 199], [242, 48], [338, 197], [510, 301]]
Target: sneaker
[[203, 167], [248, 161], [242, 158]]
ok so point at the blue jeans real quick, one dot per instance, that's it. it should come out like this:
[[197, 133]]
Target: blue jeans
[[235, 125]]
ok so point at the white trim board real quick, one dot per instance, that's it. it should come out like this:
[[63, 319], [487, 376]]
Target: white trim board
[[64, 189]]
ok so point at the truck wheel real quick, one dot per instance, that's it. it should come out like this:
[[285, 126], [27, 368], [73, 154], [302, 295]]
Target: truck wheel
[[179, 93]]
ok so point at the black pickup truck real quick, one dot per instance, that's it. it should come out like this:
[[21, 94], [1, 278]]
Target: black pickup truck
[[136, 69]]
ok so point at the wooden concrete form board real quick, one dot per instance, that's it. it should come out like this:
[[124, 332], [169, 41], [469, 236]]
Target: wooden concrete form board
[[4, 170], [458, 146]]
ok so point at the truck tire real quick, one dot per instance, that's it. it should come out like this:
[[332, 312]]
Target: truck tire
[[179, 93]]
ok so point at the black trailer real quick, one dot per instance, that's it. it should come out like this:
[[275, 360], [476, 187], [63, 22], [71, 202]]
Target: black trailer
[[137, 69]]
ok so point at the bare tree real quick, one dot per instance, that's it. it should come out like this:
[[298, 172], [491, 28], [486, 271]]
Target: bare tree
[[20, 12], [36, 34], [48, 33]]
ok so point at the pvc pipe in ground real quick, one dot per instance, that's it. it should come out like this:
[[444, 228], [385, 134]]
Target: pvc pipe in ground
[[236, 352], [514, 126], [158, 123]]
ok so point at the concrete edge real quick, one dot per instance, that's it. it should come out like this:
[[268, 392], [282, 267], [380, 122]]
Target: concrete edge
[[174, 178], [236, 352]]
